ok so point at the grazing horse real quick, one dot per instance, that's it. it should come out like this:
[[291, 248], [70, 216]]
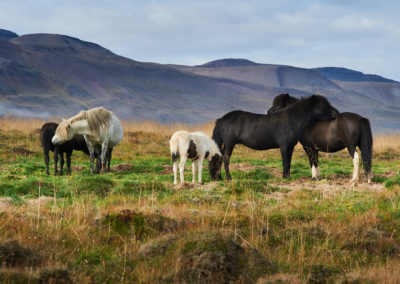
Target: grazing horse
[[262, 132], [347, 130], [100, 127], [196, 146], [76, 143]]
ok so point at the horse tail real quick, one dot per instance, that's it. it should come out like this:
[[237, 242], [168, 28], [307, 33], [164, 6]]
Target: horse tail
[[173, 145], [216, 136], [366, 144]]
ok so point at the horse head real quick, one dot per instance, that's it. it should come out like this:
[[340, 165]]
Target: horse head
[[280, 102], [63, 133], [214, 167], [322, 108]]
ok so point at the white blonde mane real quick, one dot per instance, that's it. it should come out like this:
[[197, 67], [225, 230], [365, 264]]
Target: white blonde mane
[[96, 118]]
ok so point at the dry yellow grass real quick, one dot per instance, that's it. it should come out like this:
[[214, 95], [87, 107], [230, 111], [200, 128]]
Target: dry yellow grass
[[382, 143], [387, 143]]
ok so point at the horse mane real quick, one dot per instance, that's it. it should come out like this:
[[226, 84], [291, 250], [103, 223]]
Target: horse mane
[[62, 128], [305, 101], [96, 118]]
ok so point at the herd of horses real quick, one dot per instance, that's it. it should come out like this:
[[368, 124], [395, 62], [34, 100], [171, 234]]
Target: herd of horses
[[312, 121]]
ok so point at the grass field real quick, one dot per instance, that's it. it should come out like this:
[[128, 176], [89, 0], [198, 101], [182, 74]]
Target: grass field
[[133, 226]]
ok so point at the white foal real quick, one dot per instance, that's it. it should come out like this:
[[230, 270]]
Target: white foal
[[196, 146]]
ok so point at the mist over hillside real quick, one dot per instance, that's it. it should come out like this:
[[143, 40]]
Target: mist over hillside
[[48, 75]]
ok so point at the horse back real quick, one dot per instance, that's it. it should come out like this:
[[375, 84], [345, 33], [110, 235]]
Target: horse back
[[256, 131], [343, 131]]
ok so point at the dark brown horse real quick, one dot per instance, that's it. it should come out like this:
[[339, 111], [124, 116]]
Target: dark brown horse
[[77, 143], [347, 130], [262, 132]]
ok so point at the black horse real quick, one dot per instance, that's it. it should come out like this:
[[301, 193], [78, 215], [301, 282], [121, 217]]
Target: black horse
[[77, 143], [280, 130], [347, 130]]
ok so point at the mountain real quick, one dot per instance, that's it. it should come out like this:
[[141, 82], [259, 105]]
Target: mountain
[[48, 75], [229, 63], [4, 34], [348, 75]]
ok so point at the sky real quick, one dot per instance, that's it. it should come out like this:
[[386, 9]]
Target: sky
[[362, 35]]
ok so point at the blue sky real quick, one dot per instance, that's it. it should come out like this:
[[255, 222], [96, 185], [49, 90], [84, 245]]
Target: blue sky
[[361, 35]]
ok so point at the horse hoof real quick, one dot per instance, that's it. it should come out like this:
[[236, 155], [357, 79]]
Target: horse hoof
[[353, 182]]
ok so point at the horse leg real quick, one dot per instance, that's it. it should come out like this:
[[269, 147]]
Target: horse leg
[[61, 163], [200, 169], [104, 148], [356, 163], [90, 146], [227, 156], [109, 155], [68, 155], [46, 160], [286, 153], [55, 160], [312, 155], [182, 167], [98, 162], [194, 168], [175, 168]]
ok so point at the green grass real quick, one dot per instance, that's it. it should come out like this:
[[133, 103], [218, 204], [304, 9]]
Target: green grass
[[134, 226]]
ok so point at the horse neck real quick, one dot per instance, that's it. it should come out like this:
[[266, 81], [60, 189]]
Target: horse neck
[[80, 127], [302, 124], [214, 149]]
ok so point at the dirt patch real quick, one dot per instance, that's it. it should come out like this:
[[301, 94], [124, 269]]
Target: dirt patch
[[388, 174], [5, 204], [206, 186], [244, 167], [20, 151], [122, 167], [42, 200], [12, 254], [184, 185], [329, 187], [167, 170], [77, 168]]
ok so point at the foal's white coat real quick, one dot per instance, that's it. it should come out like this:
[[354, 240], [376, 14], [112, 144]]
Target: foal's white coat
[[107, 138], [179, 144]]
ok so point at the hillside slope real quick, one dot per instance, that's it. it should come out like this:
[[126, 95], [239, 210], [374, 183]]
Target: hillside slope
[[49, 74]]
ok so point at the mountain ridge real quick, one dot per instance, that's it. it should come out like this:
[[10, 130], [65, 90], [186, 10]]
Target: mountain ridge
[[61, 75]]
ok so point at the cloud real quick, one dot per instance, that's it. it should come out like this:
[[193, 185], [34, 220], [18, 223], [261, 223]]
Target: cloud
[[362, 35]]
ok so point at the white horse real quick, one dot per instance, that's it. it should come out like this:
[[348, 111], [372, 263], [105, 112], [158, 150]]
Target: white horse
[[196, 146], [100, 127]]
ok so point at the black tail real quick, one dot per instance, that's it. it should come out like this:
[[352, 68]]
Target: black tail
[[175, 156], [216, 136], [366, 144]]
